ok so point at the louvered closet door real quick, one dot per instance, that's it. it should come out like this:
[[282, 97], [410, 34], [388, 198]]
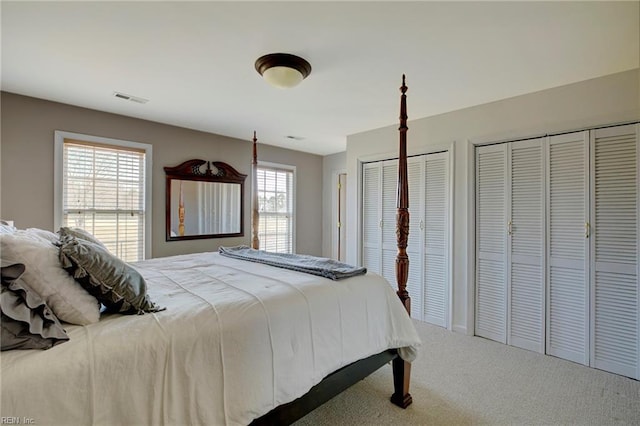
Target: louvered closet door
[[415, 281], [389, 210], [526, 245], [436, 241], [614, 247], [371, 217], [567, 247], [491, 242]]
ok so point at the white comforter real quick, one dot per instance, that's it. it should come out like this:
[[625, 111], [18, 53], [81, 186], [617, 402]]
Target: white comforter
[[237, 339]]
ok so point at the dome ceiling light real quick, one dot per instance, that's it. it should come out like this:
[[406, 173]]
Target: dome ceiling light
[[283, 70]]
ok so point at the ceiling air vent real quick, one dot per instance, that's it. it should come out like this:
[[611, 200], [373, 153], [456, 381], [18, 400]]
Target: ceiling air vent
[[130, 98]]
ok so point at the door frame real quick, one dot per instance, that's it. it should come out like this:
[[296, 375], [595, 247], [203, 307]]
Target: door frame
[[335, 232]]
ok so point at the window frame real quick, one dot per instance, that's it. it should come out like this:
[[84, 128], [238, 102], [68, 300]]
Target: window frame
[[287, 168], [58, 180]]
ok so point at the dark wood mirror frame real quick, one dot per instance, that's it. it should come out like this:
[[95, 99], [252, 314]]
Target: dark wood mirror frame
[[214, 171]]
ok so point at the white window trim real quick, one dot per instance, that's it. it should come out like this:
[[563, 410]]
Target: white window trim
[[60, 136], [295, 194]]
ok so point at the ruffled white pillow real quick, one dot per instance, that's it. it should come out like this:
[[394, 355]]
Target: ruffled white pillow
[[27, 322], [44, 273]]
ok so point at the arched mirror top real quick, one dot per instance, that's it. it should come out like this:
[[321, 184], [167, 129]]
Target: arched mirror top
[[213, 171]]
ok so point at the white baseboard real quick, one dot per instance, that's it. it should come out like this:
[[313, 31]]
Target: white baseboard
[[460, 329]]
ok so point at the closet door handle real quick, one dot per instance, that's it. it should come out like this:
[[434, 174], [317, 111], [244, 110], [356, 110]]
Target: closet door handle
[[421, 224], [509, 228], [587, 229]]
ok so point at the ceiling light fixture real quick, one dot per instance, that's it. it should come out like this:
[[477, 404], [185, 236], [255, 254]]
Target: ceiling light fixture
[[282, 69]]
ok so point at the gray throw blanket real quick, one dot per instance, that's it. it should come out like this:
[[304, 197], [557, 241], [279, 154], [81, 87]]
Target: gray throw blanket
[[321, 266]]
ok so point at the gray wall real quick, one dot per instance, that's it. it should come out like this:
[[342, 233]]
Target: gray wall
[[26, 178], [610, 99], [331, 166]]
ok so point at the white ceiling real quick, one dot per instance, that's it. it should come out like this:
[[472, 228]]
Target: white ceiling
[[195, 61]]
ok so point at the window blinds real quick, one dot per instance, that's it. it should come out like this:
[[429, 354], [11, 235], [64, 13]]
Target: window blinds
[[104, 193], [275, 203]]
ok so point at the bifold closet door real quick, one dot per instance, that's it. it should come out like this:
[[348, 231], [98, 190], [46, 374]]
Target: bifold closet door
[[379, 192], [567, 247], [510, 262], [379, 185], [525, 229], [563, 277], [434, 227], [491, 242], [415, 281], [428, 244], [371, 217], [615, 334], [388, 224]]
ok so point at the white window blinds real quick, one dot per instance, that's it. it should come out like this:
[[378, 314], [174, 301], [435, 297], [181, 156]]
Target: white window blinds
[[104, 193], [276, 202]]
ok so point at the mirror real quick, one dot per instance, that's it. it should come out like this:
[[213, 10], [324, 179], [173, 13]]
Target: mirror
[[204, 200]]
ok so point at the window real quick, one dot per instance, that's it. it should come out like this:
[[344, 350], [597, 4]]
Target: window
[[103, 186], [276, 200]]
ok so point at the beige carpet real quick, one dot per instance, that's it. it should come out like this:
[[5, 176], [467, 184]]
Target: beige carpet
[[462, 380]]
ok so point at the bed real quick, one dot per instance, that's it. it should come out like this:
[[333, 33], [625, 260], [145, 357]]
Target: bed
[[238, 343]]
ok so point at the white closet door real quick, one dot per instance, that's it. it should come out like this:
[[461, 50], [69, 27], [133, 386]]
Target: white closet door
[[415, 176], [379, 189], [371, 217], [614, 247], [389, 211], [428, 245], [526, 245], [567, 247], [491, 303], [436, 241]]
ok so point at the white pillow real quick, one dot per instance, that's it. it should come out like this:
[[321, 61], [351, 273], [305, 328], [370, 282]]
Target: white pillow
[[5, 228], [42, 234], [44, 273]]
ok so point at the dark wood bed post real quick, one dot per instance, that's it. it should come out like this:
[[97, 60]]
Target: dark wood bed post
[[255, 218], [401, 368]]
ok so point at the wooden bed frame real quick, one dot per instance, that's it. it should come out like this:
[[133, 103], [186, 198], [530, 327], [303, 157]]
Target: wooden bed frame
[[342, 379]]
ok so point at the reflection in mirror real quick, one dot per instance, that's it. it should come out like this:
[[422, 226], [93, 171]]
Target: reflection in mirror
[[204, 200], [200, 208]]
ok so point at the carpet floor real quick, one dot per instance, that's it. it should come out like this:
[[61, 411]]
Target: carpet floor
[[464, 380]]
